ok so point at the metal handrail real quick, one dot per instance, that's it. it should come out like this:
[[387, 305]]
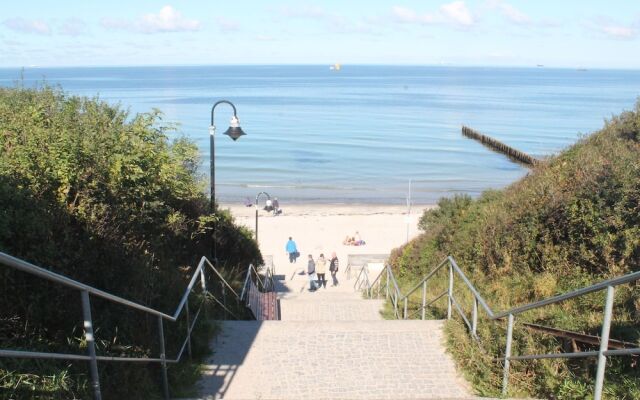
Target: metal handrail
[[87, 290], [602, 353], [426, 278], [29, 268], [268, 285]]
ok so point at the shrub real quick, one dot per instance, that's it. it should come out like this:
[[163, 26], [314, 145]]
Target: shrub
[[105, 198]]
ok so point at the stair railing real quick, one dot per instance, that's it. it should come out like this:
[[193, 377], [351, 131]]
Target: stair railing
[[253, 293], [86, 291], [386, 279]]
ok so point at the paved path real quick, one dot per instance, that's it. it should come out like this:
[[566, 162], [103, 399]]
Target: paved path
[[330, 344], [331, 360]]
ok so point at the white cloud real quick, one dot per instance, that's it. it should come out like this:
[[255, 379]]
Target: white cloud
[[406, 15], [619, 32], [509, 12], [313, 12], [73, 27], [333, 22], [456, 13], [611, 29], [38, 27], [168, 19]]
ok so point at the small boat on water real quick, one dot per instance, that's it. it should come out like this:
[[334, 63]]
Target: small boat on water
[[335, 67]]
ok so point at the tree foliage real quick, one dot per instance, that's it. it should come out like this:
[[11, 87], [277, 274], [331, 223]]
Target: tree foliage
[[104, 197]]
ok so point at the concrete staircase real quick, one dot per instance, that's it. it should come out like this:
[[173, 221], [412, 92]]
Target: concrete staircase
[[330, 344]]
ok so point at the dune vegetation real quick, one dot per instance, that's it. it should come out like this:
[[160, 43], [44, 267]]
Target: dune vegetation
[[105, 197], [572, 221]]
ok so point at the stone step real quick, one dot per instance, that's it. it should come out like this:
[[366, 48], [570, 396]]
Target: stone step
[[330, 309], [331, 360]]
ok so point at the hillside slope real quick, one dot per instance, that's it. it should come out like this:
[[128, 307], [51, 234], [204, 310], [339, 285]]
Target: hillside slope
[[572, 221]]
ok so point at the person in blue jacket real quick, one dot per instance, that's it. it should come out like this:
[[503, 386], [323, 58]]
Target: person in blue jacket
[[292, 249]]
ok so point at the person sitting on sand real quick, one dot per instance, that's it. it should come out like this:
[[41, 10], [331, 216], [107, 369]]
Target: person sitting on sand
[[357, 241], [348, 241], [276, 206], [268, 205]]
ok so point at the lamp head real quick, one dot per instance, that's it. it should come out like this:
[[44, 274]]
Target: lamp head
[[234, 131]]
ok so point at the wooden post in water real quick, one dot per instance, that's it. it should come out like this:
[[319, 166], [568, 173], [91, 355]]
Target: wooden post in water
[[500, 147]]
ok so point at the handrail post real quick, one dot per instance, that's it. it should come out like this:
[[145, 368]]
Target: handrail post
[[165, 378], [203, 281], [474, 321], [604, 344], [91, 345], [387, 296], [224, 299], [406, 300], [186, 309], [450, 291], [395, 302], [507, 355], [203, 284], [424, 298]]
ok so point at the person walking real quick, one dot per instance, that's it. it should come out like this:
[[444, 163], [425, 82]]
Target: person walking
[[321, 269], [311, 270], [333, 268], [292, 249]]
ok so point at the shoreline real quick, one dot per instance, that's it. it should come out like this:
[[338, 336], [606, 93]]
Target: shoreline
[[327, 209]]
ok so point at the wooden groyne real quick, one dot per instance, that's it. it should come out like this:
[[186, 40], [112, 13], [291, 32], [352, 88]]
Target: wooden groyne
[[500, 147]]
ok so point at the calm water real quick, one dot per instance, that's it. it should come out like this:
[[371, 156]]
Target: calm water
[[360, 135]]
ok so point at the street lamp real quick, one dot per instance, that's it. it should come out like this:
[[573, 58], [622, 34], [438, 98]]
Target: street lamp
[[257, 197], [234, 132]]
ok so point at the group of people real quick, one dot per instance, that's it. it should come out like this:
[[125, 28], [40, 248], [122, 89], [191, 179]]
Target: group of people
[[273, 206], [269, 206], [354, 240], [316, 269]]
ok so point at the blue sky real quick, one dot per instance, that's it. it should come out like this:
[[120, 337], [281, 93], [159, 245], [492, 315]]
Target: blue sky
[[587, 33]]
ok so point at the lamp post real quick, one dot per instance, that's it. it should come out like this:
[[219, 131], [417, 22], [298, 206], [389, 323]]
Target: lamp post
[[257, 197], [234, 132]]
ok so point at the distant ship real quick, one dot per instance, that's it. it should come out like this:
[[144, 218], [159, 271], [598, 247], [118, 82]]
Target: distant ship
[[335, 67], [540, 65]]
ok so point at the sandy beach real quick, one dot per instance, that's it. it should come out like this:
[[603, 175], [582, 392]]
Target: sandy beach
[[322, 229]]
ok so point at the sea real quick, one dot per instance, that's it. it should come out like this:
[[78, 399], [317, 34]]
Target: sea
[[361, 134]]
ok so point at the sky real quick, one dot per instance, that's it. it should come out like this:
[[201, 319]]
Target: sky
[[554, 33]]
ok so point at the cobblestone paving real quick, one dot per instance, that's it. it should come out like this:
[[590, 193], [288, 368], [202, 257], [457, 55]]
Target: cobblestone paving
[[332, 360], [323, 310], [330, 344]]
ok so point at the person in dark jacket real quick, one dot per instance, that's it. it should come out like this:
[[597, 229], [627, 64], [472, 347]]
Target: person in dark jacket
[[311, 270], [321, 269], [333, 268]]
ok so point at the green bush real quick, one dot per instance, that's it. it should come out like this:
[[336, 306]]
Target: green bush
[[101, 196], [572, 221]]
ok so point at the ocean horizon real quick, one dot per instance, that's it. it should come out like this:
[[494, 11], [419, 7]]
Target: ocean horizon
[[361, 134]]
